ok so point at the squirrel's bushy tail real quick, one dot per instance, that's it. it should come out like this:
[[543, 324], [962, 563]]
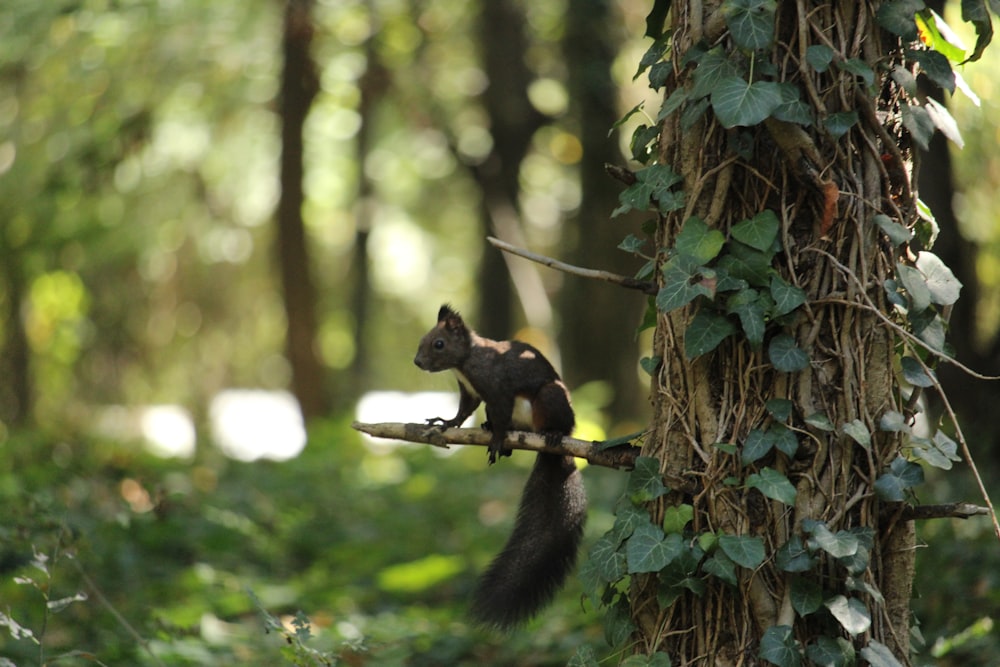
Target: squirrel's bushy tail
[[541, 551]]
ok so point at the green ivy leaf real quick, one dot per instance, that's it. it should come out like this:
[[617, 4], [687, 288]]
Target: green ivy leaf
[[976, 14], [779, 408], [649, 550], [858, 432], [744, 550], [739, 103], [758, 232], [893, 422], [705, 332], [698, 241], [839, 545], [820, 421], [793, 108], [944, 121], [897, 16], [918, 122], [793, 556], [721, 567], [879, 655], [650, 364], [851, 613], [657, 15], [902, 475], [806, 596], [712, 68], [837, 124], [819, 57], [904, 79], [786, 356], [608, 559], [786, 297], [915, 374], [745, 263], [780, 647], [645, 482], [632, 244], [673, 102], [915, 284], [583, 657], [936, 67], [618, 625], [944, 288], [676, 517], [751, 22], [939, 452], [756, 446], [652, 182], [897, 233], [746, 305], [831, 652], [785, 439], [772, 484], [681, 284], [859, 68], [934, 37]]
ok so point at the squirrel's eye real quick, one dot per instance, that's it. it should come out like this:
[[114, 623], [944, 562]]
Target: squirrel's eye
[[439, 344]]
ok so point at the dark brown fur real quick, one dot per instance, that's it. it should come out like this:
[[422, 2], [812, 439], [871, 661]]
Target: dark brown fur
[[506, 375]]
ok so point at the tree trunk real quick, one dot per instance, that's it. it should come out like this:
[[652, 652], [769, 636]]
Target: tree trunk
[[824, 433], [298, 88], [598, 320]]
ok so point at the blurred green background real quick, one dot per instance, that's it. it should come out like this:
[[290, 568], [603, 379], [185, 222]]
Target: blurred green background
[[161, 494]]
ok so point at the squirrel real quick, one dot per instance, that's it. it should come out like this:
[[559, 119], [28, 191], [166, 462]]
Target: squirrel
[[521, 390]]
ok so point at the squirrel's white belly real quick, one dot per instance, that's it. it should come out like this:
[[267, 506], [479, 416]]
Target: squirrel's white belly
[[522, 417]]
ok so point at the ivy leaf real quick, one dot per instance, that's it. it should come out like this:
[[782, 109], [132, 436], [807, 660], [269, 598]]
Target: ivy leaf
[[698, 241], [915, 284], [745, 263], [746, 305], [897, 233], [744, 550], [792, 556], [837, 124], [897, 16], [705, 332], [676, 517], [820, 421], [936, 67], [944, 121], [904, 79], [649, 550], [792, 108], [712, 68], [976, 14], [902, 475], [915, 374], [608, 560], [751, 22], [918, 122], [939, 452], [657, 15], [806, 595], [756, 446], [779, 408], [672, 103], [739, 103], [839, 545], [879, 655], [851, 613], [681, 285], [759, 231], [650, 364], [859, 68], [785, 440], [942, 284], [934, 37], [645, 482], [778, 646], [786, 356], [721, 567], [858, 432], [772, 484], [819, 57], [893, 422], [786, 297], [632, 244], [831, 652], [652, 182]]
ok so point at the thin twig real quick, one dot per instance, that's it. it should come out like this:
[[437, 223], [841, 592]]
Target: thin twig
[[139, 639], [946, 511], [614, 278]]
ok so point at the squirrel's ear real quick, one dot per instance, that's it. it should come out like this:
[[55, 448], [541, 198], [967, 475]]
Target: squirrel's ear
[[447, 312]]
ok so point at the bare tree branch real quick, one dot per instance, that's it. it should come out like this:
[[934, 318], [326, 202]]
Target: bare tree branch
[[619, 456], [614, 278], [946, 511]]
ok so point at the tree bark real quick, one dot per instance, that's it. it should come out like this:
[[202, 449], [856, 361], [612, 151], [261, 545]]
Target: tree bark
[[825, 192], [298, 88]]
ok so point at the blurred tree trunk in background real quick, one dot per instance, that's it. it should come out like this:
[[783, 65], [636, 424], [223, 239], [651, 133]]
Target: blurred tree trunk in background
[[15, 361], [298, 88], [513, 122], [597, 319]]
